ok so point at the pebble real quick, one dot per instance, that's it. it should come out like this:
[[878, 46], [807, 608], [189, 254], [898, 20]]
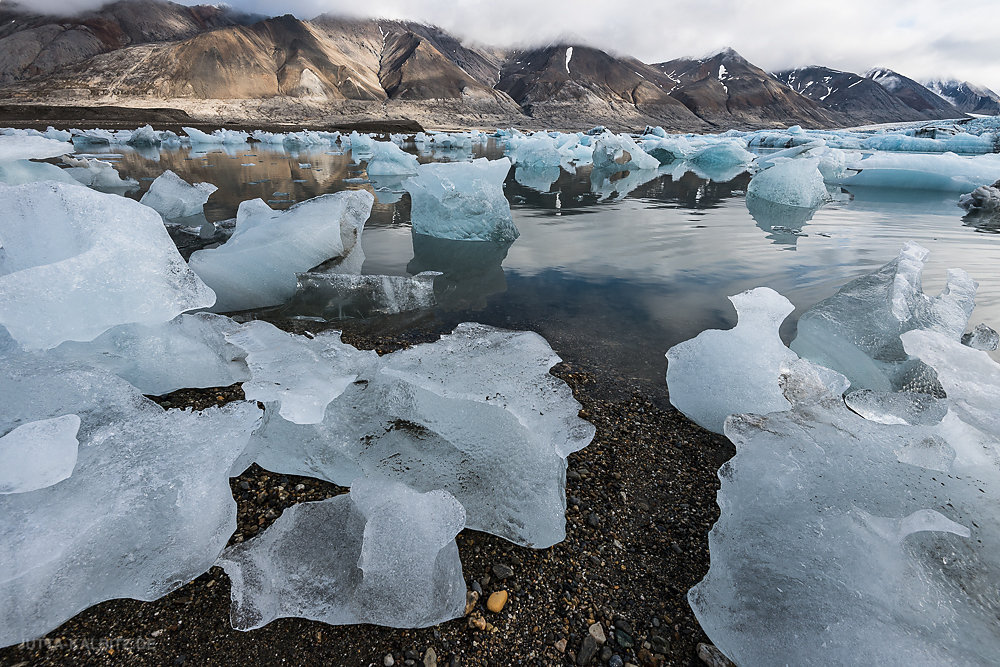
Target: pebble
[[713, 657], [615, 661], [388, 660], [597, 632], [501, 571], [471, 598], [561, 645], [587, 651], [593, 520], [497, 601], [430, 658]]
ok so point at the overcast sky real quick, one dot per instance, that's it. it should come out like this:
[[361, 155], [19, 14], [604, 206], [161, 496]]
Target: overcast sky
[[919, 38]]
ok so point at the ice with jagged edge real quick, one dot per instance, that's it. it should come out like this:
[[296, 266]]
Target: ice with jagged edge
[[173, 197], [982, 337], [984, 199], [256, 267], [17, 151], [719, 373], [221, 136], [725, 157], [146, 509], [382, 554], [99, 260], [388, 159], [946, 172], [98, 174], [336, 296], [619, 152], [189, 351], [475, 413], [856, 331], [301, 375], [792, 182], [38, 454], [462, 201]]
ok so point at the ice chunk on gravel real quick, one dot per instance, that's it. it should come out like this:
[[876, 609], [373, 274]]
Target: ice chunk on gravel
[[719, 373], [475, 413], [256, 267], [147, 509], [382, 554], [38, 454], [173, 197], [462, 201], [99, 260]]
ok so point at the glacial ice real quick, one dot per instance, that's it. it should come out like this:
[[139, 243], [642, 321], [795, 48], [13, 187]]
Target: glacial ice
[[388, 159], [99, 261], [256, 267], [173, 197], [462, 201], [19, 147], [722, 156], [982, 338], [98, 174], [188, 351], [946, 172], [222, 136], [793, 182], [619, 152], [20, 172], [338, 296], [719, 373], [984, 199], [461, 414], [537, 178], [147, 508], [382, 554], [299, 374], [856, 331], [38, 454], [470, 270]]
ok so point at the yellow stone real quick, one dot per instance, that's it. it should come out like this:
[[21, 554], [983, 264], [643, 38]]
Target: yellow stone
[[497, 601]]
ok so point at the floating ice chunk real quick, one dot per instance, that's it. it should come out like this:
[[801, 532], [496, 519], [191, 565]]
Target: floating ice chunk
[[222, 136], [960, 143], [771, 159], [462, 201], [147, 508], [38, 454], [619, 152], [20, 172], [388, 159], [459, 414], [19, 147], [302, 375], [173, 197], [793, 182], [382, 554], [337, 296], [537, 178], [361, 144], [719, 373], [98, 261], [188, 351], [946, 172], [856, 331], [727, 155], [144, 136], [536, 150], [984, 199], [98, 174], [256, 267], [982, 338], [673, 148]]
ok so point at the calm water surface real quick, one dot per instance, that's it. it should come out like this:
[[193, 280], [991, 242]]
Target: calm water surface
[[611, 280]]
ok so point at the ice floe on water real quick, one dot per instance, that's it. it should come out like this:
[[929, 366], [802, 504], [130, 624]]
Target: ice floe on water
[[173, 197], [98, 174], [859, 528]]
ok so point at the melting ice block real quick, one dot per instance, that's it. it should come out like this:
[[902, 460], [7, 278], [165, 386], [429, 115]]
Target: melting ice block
[[332, 296], [98, 261], [98, 174], [982, 338], [147, 508], [724, 157], [299, 374], [223, 136], [173, 197], [21, 147], [984, 199], [388, 159], [719, 373], [382, 554], [462, 201], [475, 413], [256, 267], [856, 331], [20, 172], [946, 172], [619, 152], [794, 182], [38, 454], [188, 351]]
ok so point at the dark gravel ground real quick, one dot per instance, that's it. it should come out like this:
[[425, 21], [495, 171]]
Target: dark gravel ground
[[641, 501]]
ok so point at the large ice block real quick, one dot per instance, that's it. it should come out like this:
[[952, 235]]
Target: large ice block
[[173, 197], [38, 454], [21, 147], [256, 267], [99, 260], [99, 175], [619, 152], [382, 554], [388, 159], [945, 172], [462, 201], [793, 182]]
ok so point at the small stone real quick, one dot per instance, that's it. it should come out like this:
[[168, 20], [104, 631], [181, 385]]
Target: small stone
[[388, 660], [713, 657], [561, 645], [477, 588], [430, 658], [587, 651], [497, 601], [245, 485], [477, 622], [471, 598], [624, 639], [411, 655], [593, 520], [606, 654], [573, 475], [501, 571], [300, 487], [615, 661], [597, 632]]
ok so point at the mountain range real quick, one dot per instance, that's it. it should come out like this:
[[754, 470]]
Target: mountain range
[[222, 65]]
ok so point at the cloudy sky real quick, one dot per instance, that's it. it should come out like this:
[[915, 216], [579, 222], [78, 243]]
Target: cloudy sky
[[919, 38]]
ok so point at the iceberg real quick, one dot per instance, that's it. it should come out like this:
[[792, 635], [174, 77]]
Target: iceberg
[[256, 267], [945, 172], [38, 454], [476, 414], [537, 178], [462, 201], [793, 182], [337, 296], [99, 261], [98, 174], [984, 199], [388, 159], [619, 152], [382, 554], [144, 136], [222, 136], [173, 197], [723, 156], [147, 508]]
